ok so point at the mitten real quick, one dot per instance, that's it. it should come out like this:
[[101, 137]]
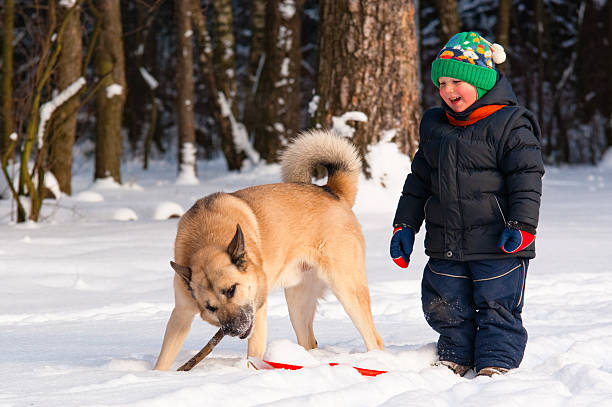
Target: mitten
[[516, 236], [401, 245]]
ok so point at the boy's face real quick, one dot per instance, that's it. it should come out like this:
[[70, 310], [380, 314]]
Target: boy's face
[[457, 94]]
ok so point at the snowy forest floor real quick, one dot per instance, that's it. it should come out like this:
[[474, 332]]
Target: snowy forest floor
[[86, 296]]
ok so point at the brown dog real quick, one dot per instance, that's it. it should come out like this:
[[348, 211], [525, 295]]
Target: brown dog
[[232, 249]]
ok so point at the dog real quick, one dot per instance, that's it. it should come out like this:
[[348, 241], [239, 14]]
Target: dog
[[232, 249]]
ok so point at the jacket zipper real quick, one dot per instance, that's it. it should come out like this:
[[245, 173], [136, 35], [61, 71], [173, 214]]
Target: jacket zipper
[[500, 209], [425, 207]]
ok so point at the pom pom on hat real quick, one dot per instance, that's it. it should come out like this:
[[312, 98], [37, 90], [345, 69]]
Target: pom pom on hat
[[499, 55]]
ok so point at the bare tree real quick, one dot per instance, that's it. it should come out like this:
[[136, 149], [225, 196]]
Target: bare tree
[[39, 115], [109, 63], [6, 114], [184, 98], [503, 26], [224, 54], [224, 67], [609, 77], [62, 134], [139, 46], [257, 57], [368, 71], [230, 128], [540, 36], [450, 21], [278, 92]]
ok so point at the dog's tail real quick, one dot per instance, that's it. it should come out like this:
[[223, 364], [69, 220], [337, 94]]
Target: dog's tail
[[315, 148]]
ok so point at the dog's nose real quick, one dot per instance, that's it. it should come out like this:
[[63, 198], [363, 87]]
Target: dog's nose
[[230, 329]]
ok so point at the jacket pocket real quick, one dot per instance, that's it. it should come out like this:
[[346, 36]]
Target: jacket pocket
[[521, 293], [501, 281]]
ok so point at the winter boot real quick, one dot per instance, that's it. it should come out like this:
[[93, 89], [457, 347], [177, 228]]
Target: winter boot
[[492, 371], [458, 369]]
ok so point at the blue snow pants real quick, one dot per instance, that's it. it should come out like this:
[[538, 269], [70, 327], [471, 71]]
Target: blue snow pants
[[476, 307]]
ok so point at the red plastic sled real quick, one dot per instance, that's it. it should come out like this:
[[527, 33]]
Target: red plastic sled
[[260, 364]]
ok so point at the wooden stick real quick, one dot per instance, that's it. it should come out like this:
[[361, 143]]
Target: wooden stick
[[203, 353]]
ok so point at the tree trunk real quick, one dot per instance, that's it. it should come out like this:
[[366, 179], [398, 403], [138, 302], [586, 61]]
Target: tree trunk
[[609, 77], [256, 60], [224, 116], [138, 98], [450, 21], [224, 66], [278, 93], [368, 63], [68, 71], [110, 98], [224, 55], [185, 92], [7, 143], [6, 116], [540, 26], [503, 26]]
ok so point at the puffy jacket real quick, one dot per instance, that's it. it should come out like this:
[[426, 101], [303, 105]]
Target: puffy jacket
[[469, 180]]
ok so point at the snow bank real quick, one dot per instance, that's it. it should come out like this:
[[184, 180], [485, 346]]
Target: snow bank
[[166, 210]]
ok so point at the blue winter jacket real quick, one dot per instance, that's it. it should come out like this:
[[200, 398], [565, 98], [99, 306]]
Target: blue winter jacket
[[468, 181]]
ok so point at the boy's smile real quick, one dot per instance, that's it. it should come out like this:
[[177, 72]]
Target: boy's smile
[[457, 94]]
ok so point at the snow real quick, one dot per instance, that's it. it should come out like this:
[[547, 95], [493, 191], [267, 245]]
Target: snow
[[89, 196], [339, 123], [47, 109], [285, 38], [67, 3], [52, 184], [287, 9], [124, 214], [313, 105], [114, 90], [149, 79], [187, 172], [284, 71], [168, 209], [239, 132], [86, 297]]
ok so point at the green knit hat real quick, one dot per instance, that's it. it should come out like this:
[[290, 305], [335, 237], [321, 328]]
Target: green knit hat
[[469, 57]]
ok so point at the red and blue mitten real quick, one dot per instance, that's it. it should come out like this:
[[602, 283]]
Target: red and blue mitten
[[401, 245], [516, 236]]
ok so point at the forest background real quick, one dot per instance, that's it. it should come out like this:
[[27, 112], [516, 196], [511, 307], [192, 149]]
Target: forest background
[[186, 80]]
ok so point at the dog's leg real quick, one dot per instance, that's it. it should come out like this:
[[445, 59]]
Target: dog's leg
[[352, 292], [176, 332], [302, 304], [257, 339], [355, 299], [178, 325]]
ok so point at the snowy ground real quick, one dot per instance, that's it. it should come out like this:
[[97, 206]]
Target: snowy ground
[[86, 295]]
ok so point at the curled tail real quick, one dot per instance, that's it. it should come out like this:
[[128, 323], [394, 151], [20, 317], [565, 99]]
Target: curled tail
[[323, 148]]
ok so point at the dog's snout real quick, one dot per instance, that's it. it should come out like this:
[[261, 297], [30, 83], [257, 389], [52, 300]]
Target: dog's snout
[[239, 324], [230, 329]]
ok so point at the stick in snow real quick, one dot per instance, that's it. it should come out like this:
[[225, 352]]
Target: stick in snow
[[203, 353]]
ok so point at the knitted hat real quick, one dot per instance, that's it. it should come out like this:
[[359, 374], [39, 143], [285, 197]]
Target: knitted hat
[[469, 57]]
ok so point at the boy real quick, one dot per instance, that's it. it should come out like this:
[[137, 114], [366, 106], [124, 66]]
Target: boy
[[476, 180]]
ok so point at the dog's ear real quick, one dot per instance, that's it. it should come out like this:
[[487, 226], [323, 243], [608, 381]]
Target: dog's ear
[[183, 271], [236, 248]]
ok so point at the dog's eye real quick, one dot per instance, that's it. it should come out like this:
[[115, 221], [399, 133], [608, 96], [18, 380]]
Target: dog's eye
[[211, 308], [229, 293]]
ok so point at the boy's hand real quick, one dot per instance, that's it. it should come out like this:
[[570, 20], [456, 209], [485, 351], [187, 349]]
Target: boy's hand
[[514, 238], [401, 245]]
